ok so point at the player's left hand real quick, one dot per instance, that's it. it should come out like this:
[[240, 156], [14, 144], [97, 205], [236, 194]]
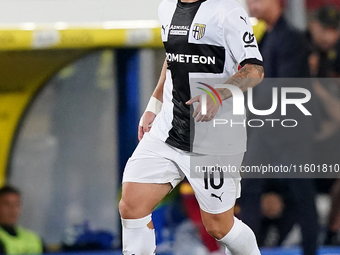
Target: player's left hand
[[145, 123], [212, 109]]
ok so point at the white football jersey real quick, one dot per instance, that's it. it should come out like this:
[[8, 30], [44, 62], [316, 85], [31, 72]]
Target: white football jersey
[[205, 43]]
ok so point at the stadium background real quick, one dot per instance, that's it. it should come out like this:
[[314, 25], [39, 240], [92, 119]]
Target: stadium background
[[75, 77]]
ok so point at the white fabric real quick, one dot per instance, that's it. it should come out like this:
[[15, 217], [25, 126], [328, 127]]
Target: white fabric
[[240, 240], [224, 28], [137, 237], [154, 161], [136, 223], [217, 253], [242, 46]]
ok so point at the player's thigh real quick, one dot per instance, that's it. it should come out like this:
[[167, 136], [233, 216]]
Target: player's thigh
[[140, 199], [148, 176], [152, 162]]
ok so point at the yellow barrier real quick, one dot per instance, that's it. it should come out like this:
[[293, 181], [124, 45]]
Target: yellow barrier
[[50, 37], [107, 34]]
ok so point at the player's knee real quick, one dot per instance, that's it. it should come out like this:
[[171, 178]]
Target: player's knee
[[216, 230], [126, 210], [133, 209], [218, 225]]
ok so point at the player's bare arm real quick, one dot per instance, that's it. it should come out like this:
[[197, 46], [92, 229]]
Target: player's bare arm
[[153, 106], [248, 76], [158, 92]]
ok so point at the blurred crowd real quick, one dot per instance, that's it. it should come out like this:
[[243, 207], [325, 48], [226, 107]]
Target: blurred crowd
[[273, 206], [15, 239]]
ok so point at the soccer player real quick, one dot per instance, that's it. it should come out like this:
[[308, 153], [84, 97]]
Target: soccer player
[[205, 41]]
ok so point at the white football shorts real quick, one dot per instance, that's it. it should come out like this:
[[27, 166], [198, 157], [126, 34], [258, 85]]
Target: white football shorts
[[154, 161]]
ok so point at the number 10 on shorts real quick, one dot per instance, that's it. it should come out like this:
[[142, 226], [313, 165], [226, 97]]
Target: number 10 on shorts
[[209, 178]]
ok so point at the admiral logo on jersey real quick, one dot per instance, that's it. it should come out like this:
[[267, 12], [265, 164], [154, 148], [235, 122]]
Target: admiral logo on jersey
[[198, 31], [179, 30]]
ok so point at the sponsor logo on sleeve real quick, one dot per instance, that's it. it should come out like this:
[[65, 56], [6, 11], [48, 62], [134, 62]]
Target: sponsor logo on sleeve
[[249, 39]]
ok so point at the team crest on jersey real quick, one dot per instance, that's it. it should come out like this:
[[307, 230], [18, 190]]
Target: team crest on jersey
[[198, 31]]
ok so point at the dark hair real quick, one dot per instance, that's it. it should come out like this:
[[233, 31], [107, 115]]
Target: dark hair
[[329, 16], [7, 189]]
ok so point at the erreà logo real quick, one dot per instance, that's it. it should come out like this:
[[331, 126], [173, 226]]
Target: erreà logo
[[204, 97]]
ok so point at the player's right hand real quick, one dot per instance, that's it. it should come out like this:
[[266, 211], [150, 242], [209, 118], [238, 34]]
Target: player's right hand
[[146, 121], [212, 109]]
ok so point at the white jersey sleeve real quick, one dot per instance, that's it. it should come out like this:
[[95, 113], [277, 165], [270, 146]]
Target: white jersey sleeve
[[240, 39]]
